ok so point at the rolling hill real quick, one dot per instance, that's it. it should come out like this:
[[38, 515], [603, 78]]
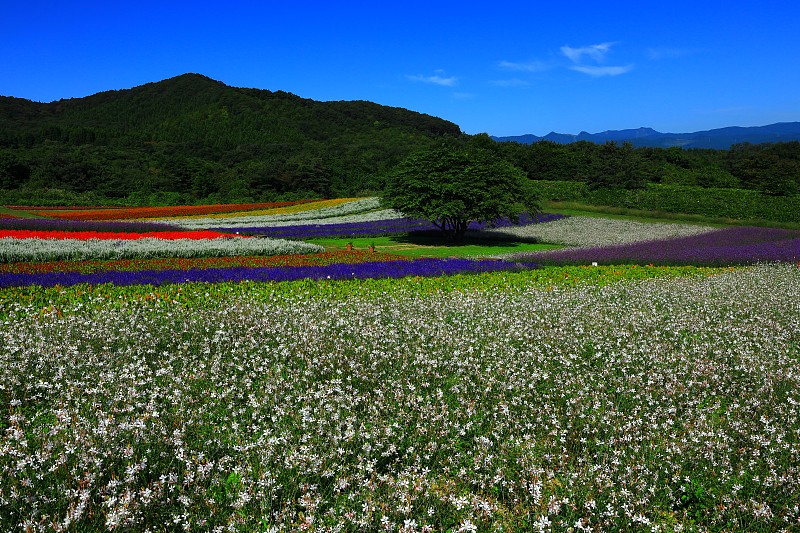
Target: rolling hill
[[194, 137], [191, 139]]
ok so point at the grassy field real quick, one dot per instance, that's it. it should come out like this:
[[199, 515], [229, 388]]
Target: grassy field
[[579, 209], [15, 212], [433, 246]]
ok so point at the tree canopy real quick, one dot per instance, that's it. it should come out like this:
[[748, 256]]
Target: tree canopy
[[452, 187]]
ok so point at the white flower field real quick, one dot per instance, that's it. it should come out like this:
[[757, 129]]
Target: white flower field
[[487, 403], [585, 231], [73, 249]]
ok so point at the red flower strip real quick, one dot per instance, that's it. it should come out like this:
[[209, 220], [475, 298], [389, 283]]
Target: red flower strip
[[107, 235]]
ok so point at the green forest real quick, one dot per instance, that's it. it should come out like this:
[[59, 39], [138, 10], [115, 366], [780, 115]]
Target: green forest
[[191, 139]]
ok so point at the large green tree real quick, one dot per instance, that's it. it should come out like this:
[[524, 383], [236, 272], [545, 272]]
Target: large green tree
[[452, 187]]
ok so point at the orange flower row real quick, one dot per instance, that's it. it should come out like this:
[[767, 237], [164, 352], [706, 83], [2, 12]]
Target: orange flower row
[[125, 213], [179, 263]]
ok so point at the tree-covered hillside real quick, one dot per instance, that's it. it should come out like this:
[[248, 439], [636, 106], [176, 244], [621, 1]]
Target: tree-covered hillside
[[190, 138]]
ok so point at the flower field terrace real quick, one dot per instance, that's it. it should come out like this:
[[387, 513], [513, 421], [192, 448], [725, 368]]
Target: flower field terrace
[[664, 401], [318, 210], [369, 227], [392, 268], [728, 246], [123, 213], [110, 235], [47, 224], [14, 250], [184, 263], [319, 207], [307, 230], [89, 256], [584, 232]]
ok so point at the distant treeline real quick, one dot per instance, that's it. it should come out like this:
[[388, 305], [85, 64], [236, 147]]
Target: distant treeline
[[772, 169], [191, 139], [716, 203], [758, 183]]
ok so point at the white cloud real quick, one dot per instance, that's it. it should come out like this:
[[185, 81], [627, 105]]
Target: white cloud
[[597, 52], [598, 71], [590, 60], [437, 79], [529, 66]]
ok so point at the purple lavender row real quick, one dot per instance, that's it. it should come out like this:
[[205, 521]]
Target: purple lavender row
[[374, 228], [49, 224], [425, 267], [729, 246]]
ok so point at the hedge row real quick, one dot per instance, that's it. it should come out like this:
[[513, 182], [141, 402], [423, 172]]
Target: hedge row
[[722, 203]]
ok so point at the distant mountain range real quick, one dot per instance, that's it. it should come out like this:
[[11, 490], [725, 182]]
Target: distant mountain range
[[720, 139]]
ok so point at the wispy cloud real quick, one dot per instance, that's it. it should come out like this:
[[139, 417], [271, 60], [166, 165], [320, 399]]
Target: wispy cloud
[[438, 78], [595, 51], [591, 59], [527, 66], [599, 71]]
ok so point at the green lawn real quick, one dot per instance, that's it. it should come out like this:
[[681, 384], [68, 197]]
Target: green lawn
[[639, 215], [16, 212], [430, 246]]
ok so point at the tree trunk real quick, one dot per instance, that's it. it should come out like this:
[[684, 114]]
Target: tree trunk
[[460, 229]]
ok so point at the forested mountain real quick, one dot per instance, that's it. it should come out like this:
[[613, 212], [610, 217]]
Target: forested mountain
[[191, 138], [720, 139]]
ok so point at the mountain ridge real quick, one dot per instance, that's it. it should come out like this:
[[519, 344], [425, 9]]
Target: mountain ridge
[[196, 137], [192, 139], [718, 139]]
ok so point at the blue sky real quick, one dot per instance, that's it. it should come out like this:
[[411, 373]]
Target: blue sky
[[505, 68]]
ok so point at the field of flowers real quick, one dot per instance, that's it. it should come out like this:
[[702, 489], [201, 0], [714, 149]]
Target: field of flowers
[[728, 246], [50, 252], [110, 235], [316, 211], [598, 232], [372, 224], [47, 224], [21, 250], [596, 402], [162, 385], [125, 213], [185, 263], [393, 268]]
